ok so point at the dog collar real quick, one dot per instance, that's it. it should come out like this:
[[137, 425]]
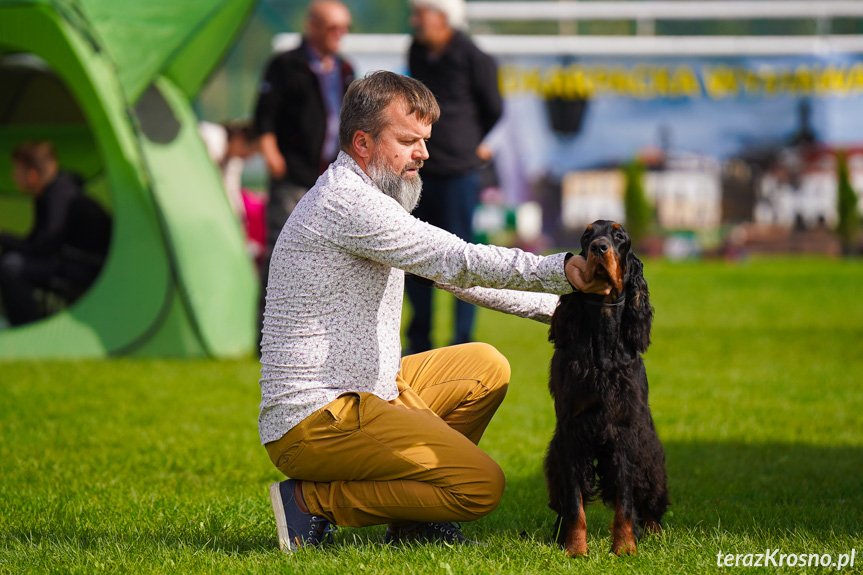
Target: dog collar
[[604, 304]]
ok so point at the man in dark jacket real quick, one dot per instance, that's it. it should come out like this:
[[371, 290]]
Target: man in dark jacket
[[297, 113], [464, 80], [67, 244]]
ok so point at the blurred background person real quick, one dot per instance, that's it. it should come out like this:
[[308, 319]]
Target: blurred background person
[[464, 80], [67, 244], [297, 113], [229, 145]]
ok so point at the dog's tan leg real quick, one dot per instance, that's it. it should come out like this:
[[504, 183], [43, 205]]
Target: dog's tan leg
[[623, 538], [576, 534]]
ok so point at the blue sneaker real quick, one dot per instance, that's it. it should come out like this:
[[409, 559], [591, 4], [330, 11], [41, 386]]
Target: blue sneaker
[[296, 529]]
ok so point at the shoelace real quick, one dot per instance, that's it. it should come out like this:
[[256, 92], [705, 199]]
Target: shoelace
[[328, 531], [320, 529], [449, 528]]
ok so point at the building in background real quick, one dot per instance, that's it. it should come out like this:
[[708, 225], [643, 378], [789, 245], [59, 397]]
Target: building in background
[[591, 195], [685, 191]]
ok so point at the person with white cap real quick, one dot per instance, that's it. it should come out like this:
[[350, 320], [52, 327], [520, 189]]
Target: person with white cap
[[464, 81]]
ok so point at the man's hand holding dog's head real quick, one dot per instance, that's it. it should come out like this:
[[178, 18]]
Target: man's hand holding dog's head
[[575, 269]]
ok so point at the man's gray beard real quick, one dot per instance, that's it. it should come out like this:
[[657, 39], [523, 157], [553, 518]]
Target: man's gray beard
[[406, 191]]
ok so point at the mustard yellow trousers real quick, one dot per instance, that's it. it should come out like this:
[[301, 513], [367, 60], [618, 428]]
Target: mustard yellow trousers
[[366, 461]]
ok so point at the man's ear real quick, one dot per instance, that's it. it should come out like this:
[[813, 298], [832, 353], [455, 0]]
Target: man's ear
[[363, 144]]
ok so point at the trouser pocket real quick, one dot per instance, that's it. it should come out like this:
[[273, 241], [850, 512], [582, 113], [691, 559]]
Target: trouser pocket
[[287, 462], [343, 413]]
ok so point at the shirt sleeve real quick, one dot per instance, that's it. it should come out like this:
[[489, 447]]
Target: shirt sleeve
[[486, 90], [372, 225], [529, 305]]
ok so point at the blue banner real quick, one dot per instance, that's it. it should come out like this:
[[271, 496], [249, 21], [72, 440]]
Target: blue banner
[[726, 139]]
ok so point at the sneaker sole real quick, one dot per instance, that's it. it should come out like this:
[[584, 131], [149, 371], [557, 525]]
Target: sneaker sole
[[281, 521]]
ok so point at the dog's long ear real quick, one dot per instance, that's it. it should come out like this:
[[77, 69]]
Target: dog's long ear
[[638, 313]]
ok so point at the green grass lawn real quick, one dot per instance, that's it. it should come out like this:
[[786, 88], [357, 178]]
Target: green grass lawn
[[133, 466]]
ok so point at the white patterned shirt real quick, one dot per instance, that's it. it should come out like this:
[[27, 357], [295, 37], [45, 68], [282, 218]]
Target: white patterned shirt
[[334, 299]]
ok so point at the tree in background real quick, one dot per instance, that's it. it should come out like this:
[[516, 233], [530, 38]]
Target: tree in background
[[848, 227], [637, 210]]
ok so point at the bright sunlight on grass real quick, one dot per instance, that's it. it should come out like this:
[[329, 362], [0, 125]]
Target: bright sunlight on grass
[[136, 466]]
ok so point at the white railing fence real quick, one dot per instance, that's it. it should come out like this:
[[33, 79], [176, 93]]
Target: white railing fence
[[645, 42]]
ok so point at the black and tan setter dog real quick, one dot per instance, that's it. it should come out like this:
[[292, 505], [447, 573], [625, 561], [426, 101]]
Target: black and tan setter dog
[[604, 440]]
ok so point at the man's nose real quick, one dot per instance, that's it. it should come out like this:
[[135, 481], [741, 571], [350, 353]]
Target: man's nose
[[421, 152]]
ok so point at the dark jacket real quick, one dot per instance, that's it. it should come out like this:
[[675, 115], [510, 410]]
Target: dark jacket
[[64, 219], [290, 105], [464, 80]]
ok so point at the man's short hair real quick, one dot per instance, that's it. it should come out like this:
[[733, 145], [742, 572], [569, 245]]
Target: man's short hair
[[368, 98], [35, 155]]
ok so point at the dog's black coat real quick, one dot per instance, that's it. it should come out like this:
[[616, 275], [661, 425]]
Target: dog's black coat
[[605, 441]]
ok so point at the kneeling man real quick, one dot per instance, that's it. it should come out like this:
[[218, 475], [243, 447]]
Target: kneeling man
[[368, 437]]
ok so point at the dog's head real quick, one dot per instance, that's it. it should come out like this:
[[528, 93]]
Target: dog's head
[[606, 246], [608, 249]]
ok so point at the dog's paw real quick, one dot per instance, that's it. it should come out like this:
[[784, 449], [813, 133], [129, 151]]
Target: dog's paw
[[577, 550], [576, 543], [623, 547]]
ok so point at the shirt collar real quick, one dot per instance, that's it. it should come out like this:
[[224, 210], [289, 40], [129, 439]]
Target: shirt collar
[[344, 160], [315, 58], [311, 53]]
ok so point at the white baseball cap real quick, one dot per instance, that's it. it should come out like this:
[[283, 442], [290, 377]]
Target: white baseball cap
[[454, 10]]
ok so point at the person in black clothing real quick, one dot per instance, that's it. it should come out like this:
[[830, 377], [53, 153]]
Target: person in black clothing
[[297, 113], [464, 80], [69, 240]]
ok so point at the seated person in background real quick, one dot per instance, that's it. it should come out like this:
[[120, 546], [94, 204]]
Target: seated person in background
[[69, 240], [229, 146]]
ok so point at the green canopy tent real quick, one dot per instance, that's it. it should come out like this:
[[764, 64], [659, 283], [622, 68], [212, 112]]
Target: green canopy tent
[[109, 83]]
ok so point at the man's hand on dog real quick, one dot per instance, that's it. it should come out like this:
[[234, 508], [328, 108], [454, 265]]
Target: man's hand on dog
[[575, 272]]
